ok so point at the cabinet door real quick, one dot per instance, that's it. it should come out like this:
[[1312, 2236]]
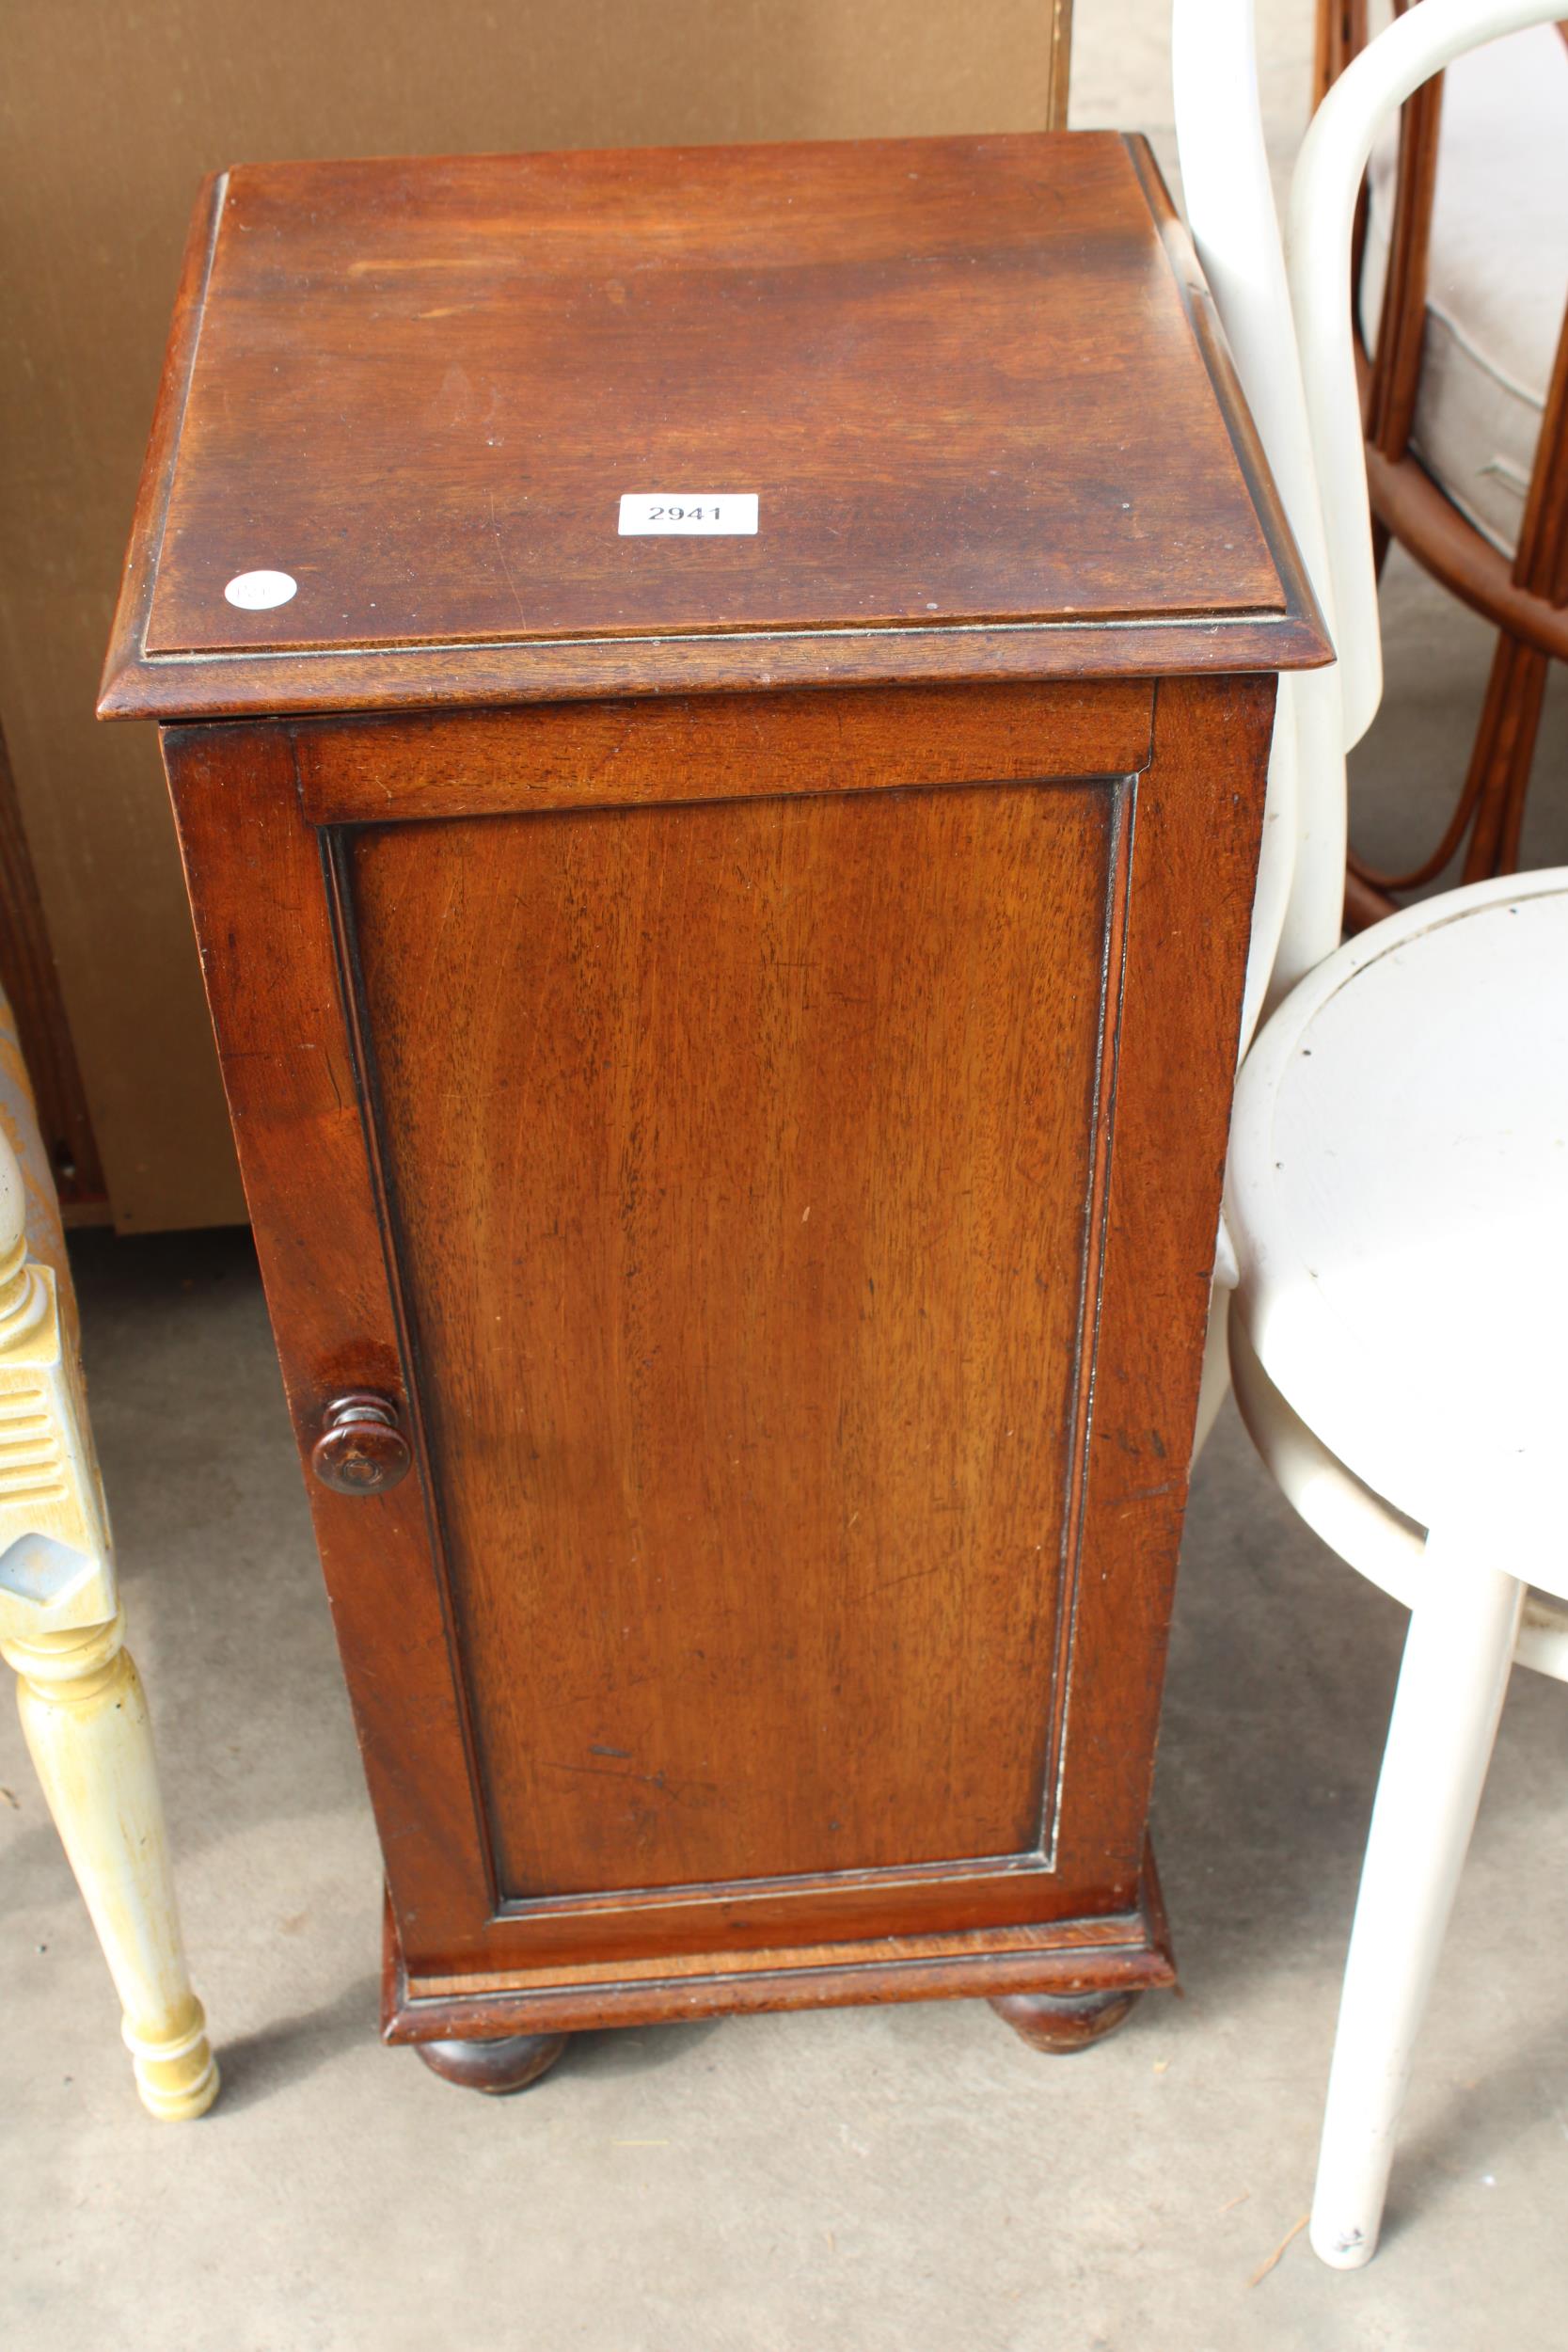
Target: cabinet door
[[748, 1248]]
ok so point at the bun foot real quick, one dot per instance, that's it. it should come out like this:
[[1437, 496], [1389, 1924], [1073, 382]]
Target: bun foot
[[1062, 2022], [498, 2066]]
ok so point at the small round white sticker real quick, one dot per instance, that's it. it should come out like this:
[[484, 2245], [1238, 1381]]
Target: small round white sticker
[[258, 592]]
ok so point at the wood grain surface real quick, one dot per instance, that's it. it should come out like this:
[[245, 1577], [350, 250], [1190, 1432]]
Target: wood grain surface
[[927, 359], [763, 1145], [523, 938], [1124, 1951], [683, 747], [739, 1157]]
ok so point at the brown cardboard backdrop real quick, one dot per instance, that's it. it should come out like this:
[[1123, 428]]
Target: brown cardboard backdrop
[[110, 115]]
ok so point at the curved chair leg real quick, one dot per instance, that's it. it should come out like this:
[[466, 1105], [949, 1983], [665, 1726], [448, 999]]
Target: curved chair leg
[[88, 1731], [1457, 1656]]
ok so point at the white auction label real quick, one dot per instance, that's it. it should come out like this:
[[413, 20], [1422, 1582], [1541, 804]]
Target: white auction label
[[721, 514], [259, 592]]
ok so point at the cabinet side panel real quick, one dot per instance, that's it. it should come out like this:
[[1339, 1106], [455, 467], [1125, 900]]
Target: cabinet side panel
[[740, 1161], [1193, 867]]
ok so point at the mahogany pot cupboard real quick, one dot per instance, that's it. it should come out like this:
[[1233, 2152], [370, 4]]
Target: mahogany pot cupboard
[[716, 704]]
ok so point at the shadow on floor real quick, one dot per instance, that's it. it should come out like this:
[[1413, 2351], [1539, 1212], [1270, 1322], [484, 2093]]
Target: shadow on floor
[[256, 2065]]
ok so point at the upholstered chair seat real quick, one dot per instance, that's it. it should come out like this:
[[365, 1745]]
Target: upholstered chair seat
[[1497, 273]]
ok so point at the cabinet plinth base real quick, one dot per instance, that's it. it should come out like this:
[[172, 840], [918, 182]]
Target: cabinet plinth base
[[499, 2066], [1060, 2023], [1062, 1984]]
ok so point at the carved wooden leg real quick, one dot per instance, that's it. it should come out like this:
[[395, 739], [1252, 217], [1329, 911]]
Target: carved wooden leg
[[496, 2066], [1060, 2023], [86, 1727]]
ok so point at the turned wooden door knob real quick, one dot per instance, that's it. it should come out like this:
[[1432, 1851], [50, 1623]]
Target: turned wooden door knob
[[361, 1451]]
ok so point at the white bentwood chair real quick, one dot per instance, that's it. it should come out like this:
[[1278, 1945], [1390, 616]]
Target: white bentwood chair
[[1397, 1194]]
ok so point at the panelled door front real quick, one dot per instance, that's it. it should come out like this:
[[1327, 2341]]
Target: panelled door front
[[696, 1118], [740, 1171]]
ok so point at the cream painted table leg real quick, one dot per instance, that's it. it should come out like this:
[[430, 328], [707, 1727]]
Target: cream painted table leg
[[91, 1740], [61, 1627], [1453, 1680]]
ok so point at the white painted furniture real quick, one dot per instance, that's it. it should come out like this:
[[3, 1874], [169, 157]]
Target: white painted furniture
[[62, 1629], [1396, 1199]]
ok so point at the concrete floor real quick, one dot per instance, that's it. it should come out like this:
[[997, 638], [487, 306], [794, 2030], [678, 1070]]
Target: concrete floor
[[909, 2180]]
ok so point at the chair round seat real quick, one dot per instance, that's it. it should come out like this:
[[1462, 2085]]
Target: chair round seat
[[1398, 1197]]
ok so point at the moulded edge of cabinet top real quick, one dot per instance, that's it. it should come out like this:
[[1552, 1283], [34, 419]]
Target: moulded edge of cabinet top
[[975, 386]]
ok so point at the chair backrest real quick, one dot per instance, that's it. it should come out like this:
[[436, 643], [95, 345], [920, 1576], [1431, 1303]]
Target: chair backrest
[[1286, 308]]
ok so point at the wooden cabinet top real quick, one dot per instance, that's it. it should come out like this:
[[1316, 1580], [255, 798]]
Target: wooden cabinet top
[[973, 385]]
